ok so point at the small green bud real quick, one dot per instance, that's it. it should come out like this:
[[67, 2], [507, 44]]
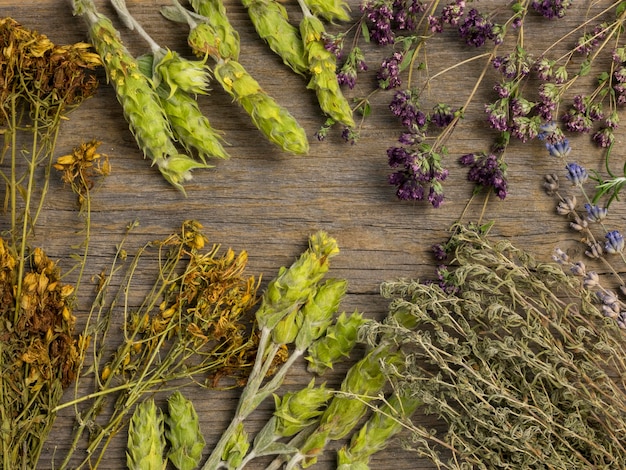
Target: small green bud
[[287, 329], [340, 339], [297, 410], [146, 444], [236, 448], [319, 311], [180, 73]]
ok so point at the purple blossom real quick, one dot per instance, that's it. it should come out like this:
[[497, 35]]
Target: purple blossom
[[560, 149], [614, 242], [475, 29], [389, 73], [417, 171], [596, 213], [551, 8], [576, 174], [405, 106], [380, 15], [453, 12], [487, 171], [604, 137], [442, 115]]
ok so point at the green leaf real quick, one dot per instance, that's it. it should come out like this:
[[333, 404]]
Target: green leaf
[[365, 32], [585, 67]]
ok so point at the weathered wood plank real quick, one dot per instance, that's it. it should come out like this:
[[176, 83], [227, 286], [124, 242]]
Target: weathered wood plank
[[267, 202]]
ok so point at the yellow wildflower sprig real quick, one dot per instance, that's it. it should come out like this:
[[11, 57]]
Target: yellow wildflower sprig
[[139, 100], [323, 67], [271, 23], [275, 121], [192, 323]]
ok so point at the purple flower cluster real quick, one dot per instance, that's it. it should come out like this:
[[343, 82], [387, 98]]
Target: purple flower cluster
[[451, 14], [389, 73], [476, 29], [487, 171], [355, 62], [405, 106], [576, 174], [582, 114], [387, 16], [551, 8], [419, 174]]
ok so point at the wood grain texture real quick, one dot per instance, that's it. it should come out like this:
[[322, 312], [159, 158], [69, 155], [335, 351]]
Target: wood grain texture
[[267, 202]]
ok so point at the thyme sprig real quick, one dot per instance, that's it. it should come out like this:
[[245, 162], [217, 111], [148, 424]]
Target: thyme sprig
[[513, 355]]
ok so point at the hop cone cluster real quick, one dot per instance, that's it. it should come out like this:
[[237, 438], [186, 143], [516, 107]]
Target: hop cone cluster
[[225, 36], [183, 433], [273, 120], [322, 66], [189, 125], [292, 287], [140, 102], [272, 24], [146, 444]]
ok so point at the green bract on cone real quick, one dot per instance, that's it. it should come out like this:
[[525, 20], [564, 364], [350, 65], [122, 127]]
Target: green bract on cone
[[145, 438], [330, 10], [272, 24], [322, 66], [183, 433], [190, 127], [337, 343], [226, 37], [293, 286], [278, 125], [318, 312], [297, 410], [179, 73], [139, 99], [386, 422]]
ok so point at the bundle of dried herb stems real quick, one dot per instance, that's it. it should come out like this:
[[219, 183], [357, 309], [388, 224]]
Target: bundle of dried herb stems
[[513, 355]]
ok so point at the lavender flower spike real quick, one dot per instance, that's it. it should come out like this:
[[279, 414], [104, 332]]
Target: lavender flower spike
[[576, 174], [614, 242], [560, 149], [596, 213]]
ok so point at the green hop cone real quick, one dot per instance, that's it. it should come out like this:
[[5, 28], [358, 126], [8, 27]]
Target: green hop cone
[[376, 433], [297, 410], [176, 169], [236, 448], [146, 444], [227, 38], [364, 379], [183, 433], [293, 286], [337, 343], [319, 311], [278, 125], [323, 66], [330, 10], [180, 73], [135, 92], [191, 128], [272, 24]]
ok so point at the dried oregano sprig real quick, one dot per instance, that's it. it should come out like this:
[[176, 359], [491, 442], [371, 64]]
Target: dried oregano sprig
[[138, 98], [514, 356]]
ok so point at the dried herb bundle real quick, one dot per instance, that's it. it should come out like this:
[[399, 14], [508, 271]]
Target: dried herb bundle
[[514, 356], [40, 82], [191, 325]]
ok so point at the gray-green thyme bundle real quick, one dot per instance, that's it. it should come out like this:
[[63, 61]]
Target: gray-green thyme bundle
[[514, 356]]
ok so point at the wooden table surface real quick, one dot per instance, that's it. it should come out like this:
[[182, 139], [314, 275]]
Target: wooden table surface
[[268, 202]]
